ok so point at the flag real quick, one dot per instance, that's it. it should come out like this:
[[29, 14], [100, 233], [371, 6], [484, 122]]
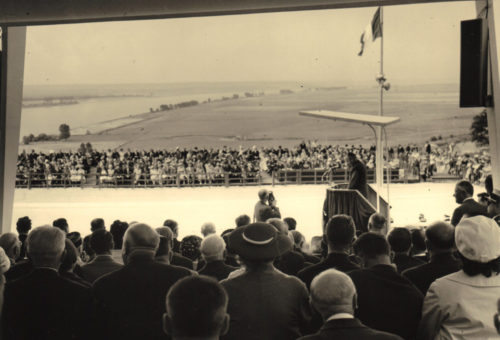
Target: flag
[[372, 31]]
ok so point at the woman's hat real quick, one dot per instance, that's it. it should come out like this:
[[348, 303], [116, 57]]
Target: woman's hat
[[478, 238], [259, 241]]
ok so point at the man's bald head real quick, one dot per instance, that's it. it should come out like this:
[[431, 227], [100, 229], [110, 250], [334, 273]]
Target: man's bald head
[[333, 292], [212, 248], [141, 236], [279, 224], [440, 236]]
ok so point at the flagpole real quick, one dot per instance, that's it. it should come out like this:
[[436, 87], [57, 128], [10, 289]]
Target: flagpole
[[379, 153]]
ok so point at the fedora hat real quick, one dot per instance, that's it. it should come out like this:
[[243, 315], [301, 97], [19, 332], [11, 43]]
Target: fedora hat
[[259, 241]]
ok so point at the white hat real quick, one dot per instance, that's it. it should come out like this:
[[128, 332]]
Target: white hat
[[478, 238], [4, 261]]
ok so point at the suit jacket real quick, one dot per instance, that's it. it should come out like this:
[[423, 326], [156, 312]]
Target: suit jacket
[[311, 259], [385, 296], [217, 269], [468, 207], [405, 261], [290, 263], [338, 261], [266, 305], [42, 305], [357, 177], [181, 261], [131, 300], [101, 265], [19, 270], [349, 329], [440, 265]]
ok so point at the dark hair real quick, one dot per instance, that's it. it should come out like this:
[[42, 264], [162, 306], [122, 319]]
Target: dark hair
[[196, 300], [190, 247], [75, 237], [371, 245], [292, 224], [268, 212], [118, 229], [473, 268], [164, 246], [440, 238], [340, 230], [378, 220], [23, 225], [242, 220], [466, 186], [97, 223], [399, 239], [62, 224], [69, 258], [101, 241], [171, 224], [418, 240]]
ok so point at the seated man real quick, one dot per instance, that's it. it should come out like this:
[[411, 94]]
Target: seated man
[[12, 246], [440, 241], [242, 220], [333, 295], [207, 229], [129, 300], [263, 302], [384, 296], [339, 234], [212, 250], [292, 261], [196, 309], [400, 241], [101, 241], [461, 305], [42, 304], [174, 258], [377, 223]]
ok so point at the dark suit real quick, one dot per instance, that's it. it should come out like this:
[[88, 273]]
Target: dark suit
[[181, 261], [470, 208], [290, 263], [101, 265], [19, 270], [309, 258], [357, 177], [131, 300], [338, 261], [405, 261], [42, 305], [387, 301], [348, 329], [217, 269], [440, 265]]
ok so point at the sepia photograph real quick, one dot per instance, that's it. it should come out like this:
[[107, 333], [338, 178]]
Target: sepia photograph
[[249, 170]]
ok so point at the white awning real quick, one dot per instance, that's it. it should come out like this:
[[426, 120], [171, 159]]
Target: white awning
[[352, 117]]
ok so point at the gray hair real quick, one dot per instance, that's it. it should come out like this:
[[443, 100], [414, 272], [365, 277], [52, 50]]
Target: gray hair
[[45, 244], [212, 247], [207, 229], [140, 235], [332, 290], [8, 241]]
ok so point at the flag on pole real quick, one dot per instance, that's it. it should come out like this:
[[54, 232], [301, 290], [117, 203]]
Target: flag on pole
[[372, 31]]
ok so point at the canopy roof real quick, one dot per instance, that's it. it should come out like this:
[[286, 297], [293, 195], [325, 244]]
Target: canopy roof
[[352, 117]]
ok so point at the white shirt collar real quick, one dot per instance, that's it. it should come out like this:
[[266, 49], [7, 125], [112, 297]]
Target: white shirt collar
[[340, 316], [469, 198]]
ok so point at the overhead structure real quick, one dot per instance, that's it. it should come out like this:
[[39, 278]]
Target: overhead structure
[[372, 121], [16, 15]]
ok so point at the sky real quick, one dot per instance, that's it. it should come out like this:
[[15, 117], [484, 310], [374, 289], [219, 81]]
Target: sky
[[421, 46]]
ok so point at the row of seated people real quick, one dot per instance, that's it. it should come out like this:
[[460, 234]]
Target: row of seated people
[[368, 287]]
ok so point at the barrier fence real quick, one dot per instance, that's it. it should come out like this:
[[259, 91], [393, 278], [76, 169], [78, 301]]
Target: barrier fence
[[280, 177]]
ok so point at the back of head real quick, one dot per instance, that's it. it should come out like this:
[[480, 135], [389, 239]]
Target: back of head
[[62, 224], [23, 225], [200, 301], [242, 220], [280, 225], [440, 235], [269, 212], [466, 187], [298, 238], [167, 233], [207, 229], [400, 240], [371, 246], [141, 236], [70, 257], [292, 224], [340, 231], [75, 237], [118, 229], [212, 248], [190, 247], [332, 292], [377, 223], [263, 194], [97, 223], [101, 241], [11, 244], [45, 246], [172, 225], [164, 247], [418, 240]]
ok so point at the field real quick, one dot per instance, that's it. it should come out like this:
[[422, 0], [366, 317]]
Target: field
[[191, 207], [273, 120]]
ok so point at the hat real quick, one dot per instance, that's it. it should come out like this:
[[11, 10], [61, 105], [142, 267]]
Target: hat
[[478, 238], [259, 241]]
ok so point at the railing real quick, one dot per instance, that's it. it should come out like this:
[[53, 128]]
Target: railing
[[280, 177]]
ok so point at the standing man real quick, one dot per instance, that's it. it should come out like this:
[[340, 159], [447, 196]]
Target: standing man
[[468, 206], [266, 201], [357, 174]]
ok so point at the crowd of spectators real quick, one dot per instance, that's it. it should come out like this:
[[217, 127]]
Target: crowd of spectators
[[199, 166], [257, 280]]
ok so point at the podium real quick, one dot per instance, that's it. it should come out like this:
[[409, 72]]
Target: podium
[[348, 202]]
